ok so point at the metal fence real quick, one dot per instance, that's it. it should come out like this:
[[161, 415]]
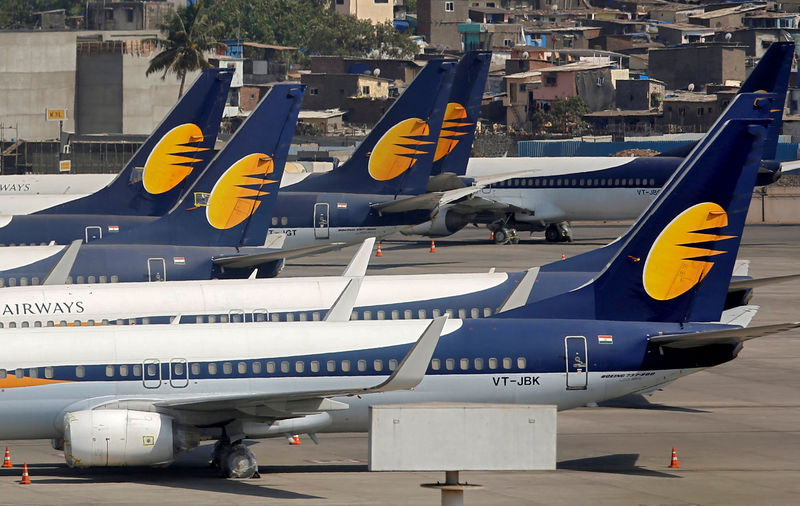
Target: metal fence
[[42, 157]]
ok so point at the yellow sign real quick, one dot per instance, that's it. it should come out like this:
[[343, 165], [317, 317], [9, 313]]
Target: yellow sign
[[64, 165], [56, 114]]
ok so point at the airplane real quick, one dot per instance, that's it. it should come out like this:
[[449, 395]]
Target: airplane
[[149, 185], [556, 190], [217, 229], [139, 395]]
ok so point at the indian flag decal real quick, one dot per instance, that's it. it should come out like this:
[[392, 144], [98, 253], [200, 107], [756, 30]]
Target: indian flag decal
[[113, 228], [179, 260], [341, 205], [605, 339]]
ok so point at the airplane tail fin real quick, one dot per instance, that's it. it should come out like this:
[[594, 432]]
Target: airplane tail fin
[[169, 161], [461, 115], [675, 263], [232, 201], [397, 156]]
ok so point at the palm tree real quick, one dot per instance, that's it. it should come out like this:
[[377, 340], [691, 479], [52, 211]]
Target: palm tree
[[189, 35]]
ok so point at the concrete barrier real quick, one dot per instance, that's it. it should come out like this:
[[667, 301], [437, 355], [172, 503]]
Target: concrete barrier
[[775, 204]]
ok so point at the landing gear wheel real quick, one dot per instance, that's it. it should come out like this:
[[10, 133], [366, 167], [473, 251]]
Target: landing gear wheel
[[216, 453], [239, 463], [565, 231], [552, 233], [500, 236]]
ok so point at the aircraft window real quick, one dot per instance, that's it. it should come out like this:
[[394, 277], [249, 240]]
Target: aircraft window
[[114, 278], [104, 322], [436, 364], [487, 312], [314, 366], [449, 364], [331, 366], [521, 362], [270, 367], [573, 182], [367, 315], [198, 319], [195, 369], [1, 325], [506, 363], [299, 366], [80, 371], [23, 281], [109, 371], [354, 315], [616, 182], [48, 373], [2, 282], [77, 323], [259, 315], [237, 317], [516, 182], [596, 182], [464, 364], [12, 325], [478, 363], [223, 318], [381, 314], [392, 364], [362, 365], [19, 373], [474, 313], [25, 325], [178, 369], [492, 363], [345, 365], [303, 317], [395, 314], [284, 366], [37, 323], [530, 182], [212, 368], [33, 372], [92, 279], [377, 365], [284, 220], [449, 312], [3, 374], [582, 182], [408, 314], [241, 367], [152, 370], [137, 370], [630, 181], [51, 323], [652, 182], [274, 221], [256, 367], [69, 280], [638, 181], [103, 279], [91, 322], [275, 317], [437, 313], [12, 281], [315, 316], [212, 318], [81, 279], [462, 313], [422, 314], [558, 182]]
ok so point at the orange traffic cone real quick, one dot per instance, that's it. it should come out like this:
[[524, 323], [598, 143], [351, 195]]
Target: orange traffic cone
[[674, 464], [433, 246], [26, 480], [7, 459], [563, 256], [379, 253], [491, 235], [295, 440]]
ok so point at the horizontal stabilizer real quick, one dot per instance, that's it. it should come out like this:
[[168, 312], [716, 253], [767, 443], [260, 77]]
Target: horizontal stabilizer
[[755, 283], [408, 374], [243, 261], [729, 336], [740, 315]]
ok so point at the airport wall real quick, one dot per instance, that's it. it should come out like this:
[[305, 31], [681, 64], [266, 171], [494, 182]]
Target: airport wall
[[775, 204]]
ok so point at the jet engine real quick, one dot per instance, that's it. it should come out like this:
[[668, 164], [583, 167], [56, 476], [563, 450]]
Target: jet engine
[[446, 222], [121, 437]]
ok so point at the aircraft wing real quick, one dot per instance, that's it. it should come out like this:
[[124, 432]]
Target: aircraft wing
[[408, 374], [243, 261], [728, 336], [741, 284]]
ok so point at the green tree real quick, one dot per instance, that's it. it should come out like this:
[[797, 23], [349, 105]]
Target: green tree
[[564, 115], [21, 13], [189, 34]]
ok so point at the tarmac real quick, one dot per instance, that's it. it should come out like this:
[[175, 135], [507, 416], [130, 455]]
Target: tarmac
[[736, 427]]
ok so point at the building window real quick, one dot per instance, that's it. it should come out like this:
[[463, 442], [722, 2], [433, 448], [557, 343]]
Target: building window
[[449, 6], [381, 1], [339, 2], [313, 91], [365, 90], [508, 42]]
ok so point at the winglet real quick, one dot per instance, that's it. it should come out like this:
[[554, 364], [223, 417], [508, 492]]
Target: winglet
[[360, 261], [60, 272], [341, 310], [519, 297], [412, 369]]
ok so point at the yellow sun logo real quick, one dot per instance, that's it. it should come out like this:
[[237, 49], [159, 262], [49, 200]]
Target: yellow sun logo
[[398, 149], [171, 161], [453, 127], [673, 265], [235, 196]]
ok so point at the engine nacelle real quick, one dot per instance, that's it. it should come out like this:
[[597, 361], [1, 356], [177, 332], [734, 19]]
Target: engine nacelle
[[122, 437], [446, 222]]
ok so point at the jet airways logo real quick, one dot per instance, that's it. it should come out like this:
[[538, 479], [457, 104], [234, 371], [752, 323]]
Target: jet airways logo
[[236, 196], [399, 148], [455, 125], [171, 160], [674, 265]]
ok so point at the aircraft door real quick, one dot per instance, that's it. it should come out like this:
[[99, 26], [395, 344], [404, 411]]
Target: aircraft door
[[321, 221], [93, 232], [577, 363], [178, 373], [156, 269], [151, 373]]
